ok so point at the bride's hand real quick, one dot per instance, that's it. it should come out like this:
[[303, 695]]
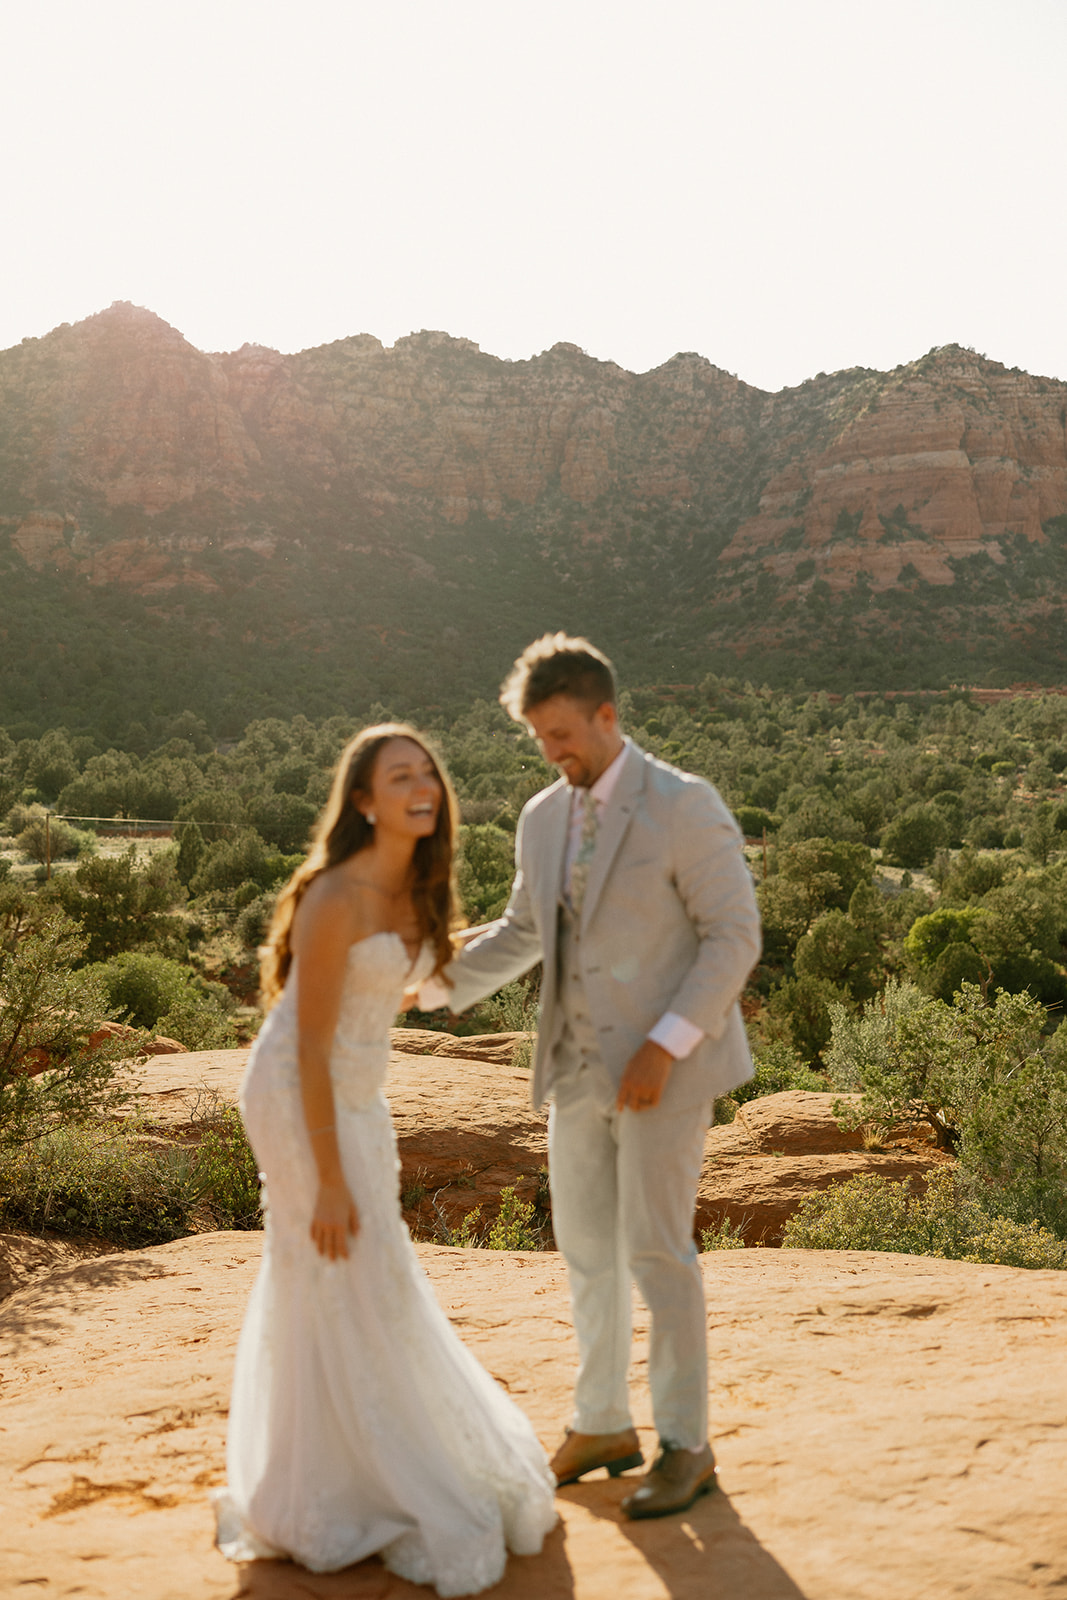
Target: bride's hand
[[335, 1220], [409, 1000]]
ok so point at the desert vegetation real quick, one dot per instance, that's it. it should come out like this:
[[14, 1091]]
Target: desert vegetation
[[911, 863]]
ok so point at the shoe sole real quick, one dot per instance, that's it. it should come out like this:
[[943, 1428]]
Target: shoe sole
[[620, 1464], [706, 1487]]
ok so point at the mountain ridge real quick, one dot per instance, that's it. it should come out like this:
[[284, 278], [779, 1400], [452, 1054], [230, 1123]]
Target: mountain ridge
[[683, 515]]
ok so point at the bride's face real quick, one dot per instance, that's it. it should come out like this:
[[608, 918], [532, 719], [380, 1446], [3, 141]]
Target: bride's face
[[405, 793]]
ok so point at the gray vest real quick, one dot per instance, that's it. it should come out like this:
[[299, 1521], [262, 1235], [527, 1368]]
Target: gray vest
[[577, 1050]]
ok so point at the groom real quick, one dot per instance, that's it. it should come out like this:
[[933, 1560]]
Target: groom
[[632, 889]]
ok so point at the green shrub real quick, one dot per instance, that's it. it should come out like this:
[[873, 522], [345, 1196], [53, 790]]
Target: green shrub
[[252, 924], [283, 820], [191, 849], [928, 936], [516, 1227], [484, 870], [231, 862], [725, 1237], [1017, 1244], [984, 1077], [88, 1180], [803, 1006], [836, 949], [50, 1014], [512, 1009], [778, 1068], [227, 1174], [874, 1213], [155, 993], [54, 841], [753, 820]]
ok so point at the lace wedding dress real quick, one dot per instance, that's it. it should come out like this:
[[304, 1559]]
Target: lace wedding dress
[[359, 1422]]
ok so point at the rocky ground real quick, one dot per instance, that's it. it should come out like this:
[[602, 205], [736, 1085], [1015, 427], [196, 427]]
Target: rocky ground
[[466, 1130], [888, 1428]]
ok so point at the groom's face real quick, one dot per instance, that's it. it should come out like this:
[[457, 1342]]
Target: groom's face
[[579, 741]]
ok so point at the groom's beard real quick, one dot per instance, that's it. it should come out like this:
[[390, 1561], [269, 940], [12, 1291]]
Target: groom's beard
[[577, 774]]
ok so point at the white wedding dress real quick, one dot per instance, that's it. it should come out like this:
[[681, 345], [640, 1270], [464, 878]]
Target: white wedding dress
[[359, 1422]]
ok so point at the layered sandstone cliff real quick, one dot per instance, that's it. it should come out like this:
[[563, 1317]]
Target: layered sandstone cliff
[[129, 458]]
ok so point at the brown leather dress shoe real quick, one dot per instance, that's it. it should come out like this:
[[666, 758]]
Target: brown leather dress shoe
[[677, 1478], [584, 1452]]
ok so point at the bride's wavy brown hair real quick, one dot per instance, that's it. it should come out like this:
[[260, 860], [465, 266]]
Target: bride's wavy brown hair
[[343, 831]]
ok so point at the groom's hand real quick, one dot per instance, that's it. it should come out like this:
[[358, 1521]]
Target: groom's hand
[[645, 1078]]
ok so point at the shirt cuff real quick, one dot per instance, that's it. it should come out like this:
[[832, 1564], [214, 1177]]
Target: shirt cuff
[[677, 1035], [433, 994]]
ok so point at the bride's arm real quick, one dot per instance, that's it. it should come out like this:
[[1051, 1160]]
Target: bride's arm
[[325, 935]]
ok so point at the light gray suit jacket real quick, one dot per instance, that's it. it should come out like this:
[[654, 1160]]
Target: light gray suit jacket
[[669, 923]]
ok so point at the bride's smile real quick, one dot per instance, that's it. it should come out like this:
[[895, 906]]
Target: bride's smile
[[406, 793]]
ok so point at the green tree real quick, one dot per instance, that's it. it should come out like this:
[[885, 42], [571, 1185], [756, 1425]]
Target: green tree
[[55, 1063], [1040, 838], [836, 949], [914, 838], [1017, 930], [283, 820], [51, 765], [801, 1007], [929, 936], [485, 870], [240, 858], [122, 905], [191, 848]]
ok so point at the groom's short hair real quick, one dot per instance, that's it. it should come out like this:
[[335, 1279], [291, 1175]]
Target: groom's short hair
[[558, 664]]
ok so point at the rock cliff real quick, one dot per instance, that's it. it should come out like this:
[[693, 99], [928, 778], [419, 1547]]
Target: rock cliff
[[680, 502]]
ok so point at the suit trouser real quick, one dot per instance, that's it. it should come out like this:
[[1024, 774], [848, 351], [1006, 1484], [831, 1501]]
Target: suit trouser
[[623, 1194]]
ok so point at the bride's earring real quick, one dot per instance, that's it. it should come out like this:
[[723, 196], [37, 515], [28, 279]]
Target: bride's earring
[[372, 818]]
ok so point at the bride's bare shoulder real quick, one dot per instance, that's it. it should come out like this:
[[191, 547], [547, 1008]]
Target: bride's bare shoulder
[[340, 906]]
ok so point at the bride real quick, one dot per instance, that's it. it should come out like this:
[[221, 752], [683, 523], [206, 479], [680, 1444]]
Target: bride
[[359, 1422]]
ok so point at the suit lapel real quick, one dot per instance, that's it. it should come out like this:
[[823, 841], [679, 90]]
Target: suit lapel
[[546, 860], [612, 830]]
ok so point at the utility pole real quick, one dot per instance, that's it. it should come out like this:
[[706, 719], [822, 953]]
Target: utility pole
[[47, 845]]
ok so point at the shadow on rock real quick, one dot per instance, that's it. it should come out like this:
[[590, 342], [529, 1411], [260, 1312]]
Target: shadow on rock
[[40, 1314], [547, 1576], [705, 1553]]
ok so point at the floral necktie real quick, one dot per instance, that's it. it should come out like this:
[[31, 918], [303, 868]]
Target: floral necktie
[[586, 848]]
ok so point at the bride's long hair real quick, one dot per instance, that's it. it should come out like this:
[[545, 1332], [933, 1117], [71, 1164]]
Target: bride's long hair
[[342, 831]]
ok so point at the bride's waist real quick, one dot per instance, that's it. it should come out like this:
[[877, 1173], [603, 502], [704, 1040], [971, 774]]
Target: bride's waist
[[277, 1048]]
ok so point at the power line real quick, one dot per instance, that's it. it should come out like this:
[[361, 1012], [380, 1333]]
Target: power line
[[148, 822]]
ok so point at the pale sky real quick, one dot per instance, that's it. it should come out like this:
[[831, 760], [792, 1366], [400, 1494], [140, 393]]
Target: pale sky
[[784, 186]]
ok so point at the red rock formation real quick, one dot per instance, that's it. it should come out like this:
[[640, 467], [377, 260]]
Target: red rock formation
[[135, 459], [939, 459], [781, 1148]]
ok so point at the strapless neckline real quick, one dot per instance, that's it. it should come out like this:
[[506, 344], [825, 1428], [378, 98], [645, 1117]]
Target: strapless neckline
[[389, 933]]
